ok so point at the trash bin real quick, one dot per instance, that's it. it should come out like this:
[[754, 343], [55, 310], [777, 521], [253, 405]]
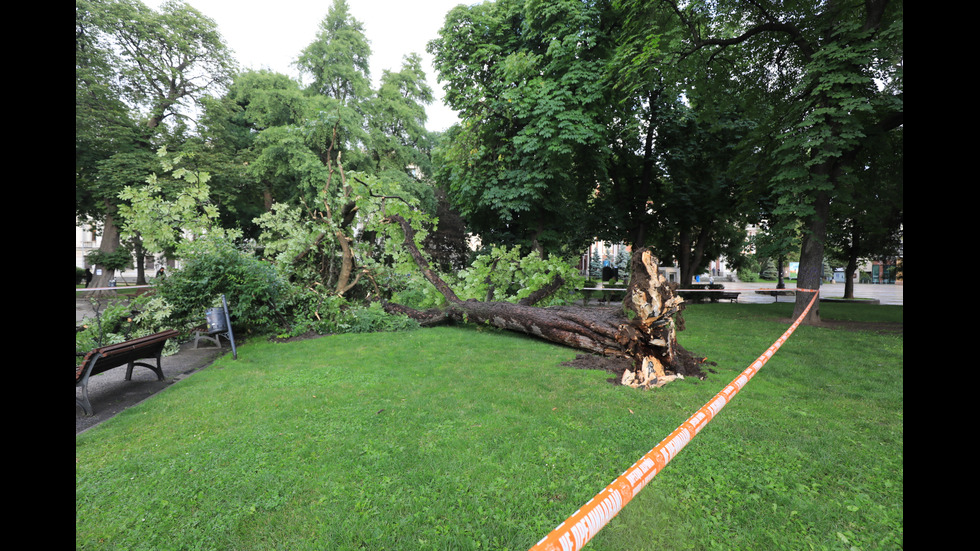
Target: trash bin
[[219, 325], [217, 321]]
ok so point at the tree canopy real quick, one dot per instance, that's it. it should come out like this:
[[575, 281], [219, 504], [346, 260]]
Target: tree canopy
[[136, 69], [827, 78], [575, 126], [654, 123], [658, 122]]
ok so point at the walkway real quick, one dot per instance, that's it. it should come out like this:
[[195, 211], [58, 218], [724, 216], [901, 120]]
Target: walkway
[[886, 294]]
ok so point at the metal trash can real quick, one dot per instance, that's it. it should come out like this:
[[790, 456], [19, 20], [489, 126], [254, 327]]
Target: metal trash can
[[217, 321]]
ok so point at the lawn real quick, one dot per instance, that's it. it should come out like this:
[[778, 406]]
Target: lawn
[[472, 438]]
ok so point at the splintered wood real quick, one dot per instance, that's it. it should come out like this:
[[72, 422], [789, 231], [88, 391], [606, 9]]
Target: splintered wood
[[654, 336]]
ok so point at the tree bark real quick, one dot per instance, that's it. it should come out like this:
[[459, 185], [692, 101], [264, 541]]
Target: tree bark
[[642, 330], [810, 275], [109, 243]]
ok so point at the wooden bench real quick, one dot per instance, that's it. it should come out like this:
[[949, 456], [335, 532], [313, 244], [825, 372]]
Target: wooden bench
[[126, 353], [730, 295]]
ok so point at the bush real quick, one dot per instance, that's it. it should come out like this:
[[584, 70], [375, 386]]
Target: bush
[[256, 295], [373, 319], [326, 313], [747, 275], [116, 323]]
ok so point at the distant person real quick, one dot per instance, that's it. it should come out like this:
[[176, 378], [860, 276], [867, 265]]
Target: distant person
[[88, 276], [161, 272]]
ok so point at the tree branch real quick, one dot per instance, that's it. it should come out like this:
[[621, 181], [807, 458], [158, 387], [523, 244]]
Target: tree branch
[[422, 263]]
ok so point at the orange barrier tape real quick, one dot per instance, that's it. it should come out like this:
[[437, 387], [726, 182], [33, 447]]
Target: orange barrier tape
[[585, 523]]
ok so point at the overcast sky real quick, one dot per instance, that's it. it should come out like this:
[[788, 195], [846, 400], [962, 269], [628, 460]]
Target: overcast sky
[[270, 34]]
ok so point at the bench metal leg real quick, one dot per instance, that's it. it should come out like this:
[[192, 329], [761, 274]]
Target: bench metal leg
[[158, 369], [84, 403], [215, 338]]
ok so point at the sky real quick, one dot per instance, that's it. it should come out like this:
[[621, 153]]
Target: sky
[[270, 34]]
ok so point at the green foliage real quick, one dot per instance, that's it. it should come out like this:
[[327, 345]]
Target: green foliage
[[323, 313], [768, 270], [499, 274], [110, 325], [213, 267], [305, 246], [505, 274], [338, 59], [523, 164], [595, 265], [396, 121], [373, 319], [166, 212], [115, 322], [117, 260], [748, 274], [165, 60]]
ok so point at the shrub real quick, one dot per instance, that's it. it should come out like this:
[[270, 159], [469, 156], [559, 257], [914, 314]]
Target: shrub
[[256, 295], [747, 275], [325, 313], [113, 324], [373, 319]]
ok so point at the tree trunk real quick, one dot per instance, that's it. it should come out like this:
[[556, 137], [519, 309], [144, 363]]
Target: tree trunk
[[643, 330], [140, 256], [811, 260], [109, 243], [852, 266]]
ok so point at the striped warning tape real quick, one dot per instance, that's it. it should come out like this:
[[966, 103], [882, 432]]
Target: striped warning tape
[[585, 523]]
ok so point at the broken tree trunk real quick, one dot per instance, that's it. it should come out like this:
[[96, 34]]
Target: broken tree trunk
[[642, 330]]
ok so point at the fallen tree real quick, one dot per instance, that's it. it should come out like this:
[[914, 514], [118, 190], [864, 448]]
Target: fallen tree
[[643, 329]]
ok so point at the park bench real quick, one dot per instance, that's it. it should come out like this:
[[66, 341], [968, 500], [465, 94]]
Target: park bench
[[127, 353], [729, 295]]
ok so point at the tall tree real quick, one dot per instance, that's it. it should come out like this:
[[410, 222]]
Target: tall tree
[[318, 151], [338, 60], [523, 75], [830, 74], [567, 111], [869, 213], [698, 212], [162, 62], [237, 128], [396, 119]]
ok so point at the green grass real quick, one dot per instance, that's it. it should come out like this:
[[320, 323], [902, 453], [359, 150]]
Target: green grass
[[468, 438]]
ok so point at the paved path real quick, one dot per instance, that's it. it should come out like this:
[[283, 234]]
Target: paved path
[[885, 294]]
